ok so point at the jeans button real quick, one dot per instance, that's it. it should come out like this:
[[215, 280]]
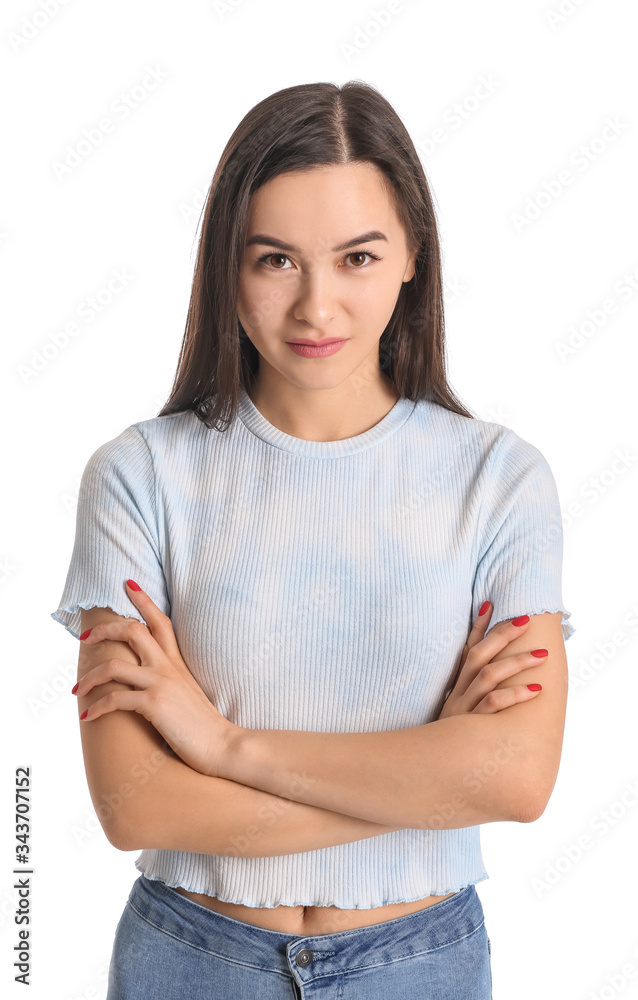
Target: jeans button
[[304, 957]]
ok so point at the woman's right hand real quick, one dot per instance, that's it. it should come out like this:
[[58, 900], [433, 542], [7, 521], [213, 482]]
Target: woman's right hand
[[473, 690]]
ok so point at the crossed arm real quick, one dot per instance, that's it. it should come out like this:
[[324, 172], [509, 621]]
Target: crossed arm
[[287, 791], [454, 772]]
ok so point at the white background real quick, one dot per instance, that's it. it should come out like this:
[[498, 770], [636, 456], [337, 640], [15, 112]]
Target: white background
[[517, 295]]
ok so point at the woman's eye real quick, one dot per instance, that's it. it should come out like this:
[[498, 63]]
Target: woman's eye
[[360, 253], [270, 256]]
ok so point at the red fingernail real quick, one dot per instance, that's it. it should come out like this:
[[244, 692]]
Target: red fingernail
[[538, 652], [522, 620], [535, 687], [484, 608], [132, 584], [83, 716], [74, 689], [84, 634]]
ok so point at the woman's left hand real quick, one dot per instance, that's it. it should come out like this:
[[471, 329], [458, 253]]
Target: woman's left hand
[[166, 693]]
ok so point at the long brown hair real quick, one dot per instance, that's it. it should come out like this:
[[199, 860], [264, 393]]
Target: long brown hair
[[295, 129]]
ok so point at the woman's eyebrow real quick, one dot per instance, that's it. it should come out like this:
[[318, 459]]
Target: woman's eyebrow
[[272, 241]]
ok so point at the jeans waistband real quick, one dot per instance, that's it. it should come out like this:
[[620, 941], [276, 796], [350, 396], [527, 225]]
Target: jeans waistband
[[392, 940]]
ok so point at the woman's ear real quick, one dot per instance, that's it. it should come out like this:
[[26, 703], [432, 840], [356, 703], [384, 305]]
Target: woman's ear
[[410, 267]]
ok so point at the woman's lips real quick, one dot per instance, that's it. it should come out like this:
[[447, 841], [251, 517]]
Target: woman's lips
[[316, 350]]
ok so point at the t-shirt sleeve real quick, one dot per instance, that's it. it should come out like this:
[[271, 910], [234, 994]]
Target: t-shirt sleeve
[[520, 554], [116, 534]]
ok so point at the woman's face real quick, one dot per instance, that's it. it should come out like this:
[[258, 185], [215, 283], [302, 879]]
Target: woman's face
[[318, 277]]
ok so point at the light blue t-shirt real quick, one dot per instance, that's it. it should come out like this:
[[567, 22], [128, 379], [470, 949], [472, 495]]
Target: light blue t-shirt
[[321, 586]]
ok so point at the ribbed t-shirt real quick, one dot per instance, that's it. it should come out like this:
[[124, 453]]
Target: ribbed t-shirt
[[326, 586]]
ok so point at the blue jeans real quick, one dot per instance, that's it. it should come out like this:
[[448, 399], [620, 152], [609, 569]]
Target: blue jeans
[[167, 946]]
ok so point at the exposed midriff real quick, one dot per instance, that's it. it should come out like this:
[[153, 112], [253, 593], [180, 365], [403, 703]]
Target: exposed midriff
[[310, 920]]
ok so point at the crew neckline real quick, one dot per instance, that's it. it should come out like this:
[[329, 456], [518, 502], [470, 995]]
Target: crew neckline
[[254, 421]]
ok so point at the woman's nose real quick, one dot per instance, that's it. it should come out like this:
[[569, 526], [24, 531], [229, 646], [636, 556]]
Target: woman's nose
[[315, 300]]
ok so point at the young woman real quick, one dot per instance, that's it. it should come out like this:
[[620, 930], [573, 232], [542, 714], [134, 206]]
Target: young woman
[[291, 703]]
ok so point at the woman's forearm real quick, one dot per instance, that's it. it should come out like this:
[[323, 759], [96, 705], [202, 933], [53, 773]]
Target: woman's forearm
[[455, 772], [183, 810], [146, 796], [458, 771]]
